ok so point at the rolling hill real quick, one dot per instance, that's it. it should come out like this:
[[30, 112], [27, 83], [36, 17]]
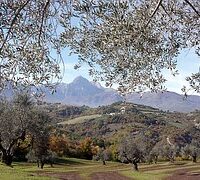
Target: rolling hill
[[120, 119]]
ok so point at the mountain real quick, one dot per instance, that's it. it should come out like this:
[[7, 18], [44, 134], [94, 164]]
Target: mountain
[[83, 92], [167, 101]]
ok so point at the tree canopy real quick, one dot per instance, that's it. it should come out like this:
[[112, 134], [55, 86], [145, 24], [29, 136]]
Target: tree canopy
[[126, 42], [14, 125], [29, 44]]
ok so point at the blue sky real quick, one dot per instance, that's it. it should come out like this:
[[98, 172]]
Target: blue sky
[[187, 63]]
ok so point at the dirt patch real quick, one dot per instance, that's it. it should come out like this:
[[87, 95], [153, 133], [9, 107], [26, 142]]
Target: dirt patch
[[60, 175], [184, 174], [108, 176]]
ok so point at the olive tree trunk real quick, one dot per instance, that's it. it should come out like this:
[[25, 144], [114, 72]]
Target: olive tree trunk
[[135, 166], [7, 158], [194, 159]]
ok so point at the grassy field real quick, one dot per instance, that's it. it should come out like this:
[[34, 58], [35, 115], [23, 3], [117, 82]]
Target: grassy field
[[83, 169], [80, 119]]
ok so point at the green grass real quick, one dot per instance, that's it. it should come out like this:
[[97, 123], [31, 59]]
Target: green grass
[[19, 172], [80, 119], [84, 168]]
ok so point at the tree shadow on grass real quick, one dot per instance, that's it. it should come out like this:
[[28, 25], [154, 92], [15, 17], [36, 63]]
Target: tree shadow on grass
[[62, 161]]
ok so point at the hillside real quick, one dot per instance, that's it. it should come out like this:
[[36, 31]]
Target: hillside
[[121, 119]]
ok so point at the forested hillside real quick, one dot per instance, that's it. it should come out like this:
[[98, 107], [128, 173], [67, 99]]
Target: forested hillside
[[108, 129]]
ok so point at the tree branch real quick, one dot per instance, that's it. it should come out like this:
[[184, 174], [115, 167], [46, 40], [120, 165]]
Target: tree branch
[[1, 147], [29, 145], [154, 12], [12, 23], [190, 4], [165, 10], [14, 141], [43, 14]]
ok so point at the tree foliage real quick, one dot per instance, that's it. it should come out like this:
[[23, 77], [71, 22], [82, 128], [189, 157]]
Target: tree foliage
[[191, 150], [126, 42], [23, 125], [40, 130], [59, 145], [86, 148], [133, 41], [14, 125], [131, 152], [28, 42]]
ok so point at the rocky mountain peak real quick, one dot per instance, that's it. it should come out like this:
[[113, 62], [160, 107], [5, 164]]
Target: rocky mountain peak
[[80, 80]]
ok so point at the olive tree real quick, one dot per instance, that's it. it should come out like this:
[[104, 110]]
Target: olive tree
[[130, 42], [14, 124], [130, 151], [191, 150], [127, 42], [147, 139], [169, 152], [40, 131], [30, 53]]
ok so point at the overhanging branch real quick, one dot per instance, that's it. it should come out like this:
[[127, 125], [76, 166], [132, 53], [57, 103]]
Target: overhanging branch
[[165, 10], [190, 4], [154, 12], [12, 23], [43, 14]]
